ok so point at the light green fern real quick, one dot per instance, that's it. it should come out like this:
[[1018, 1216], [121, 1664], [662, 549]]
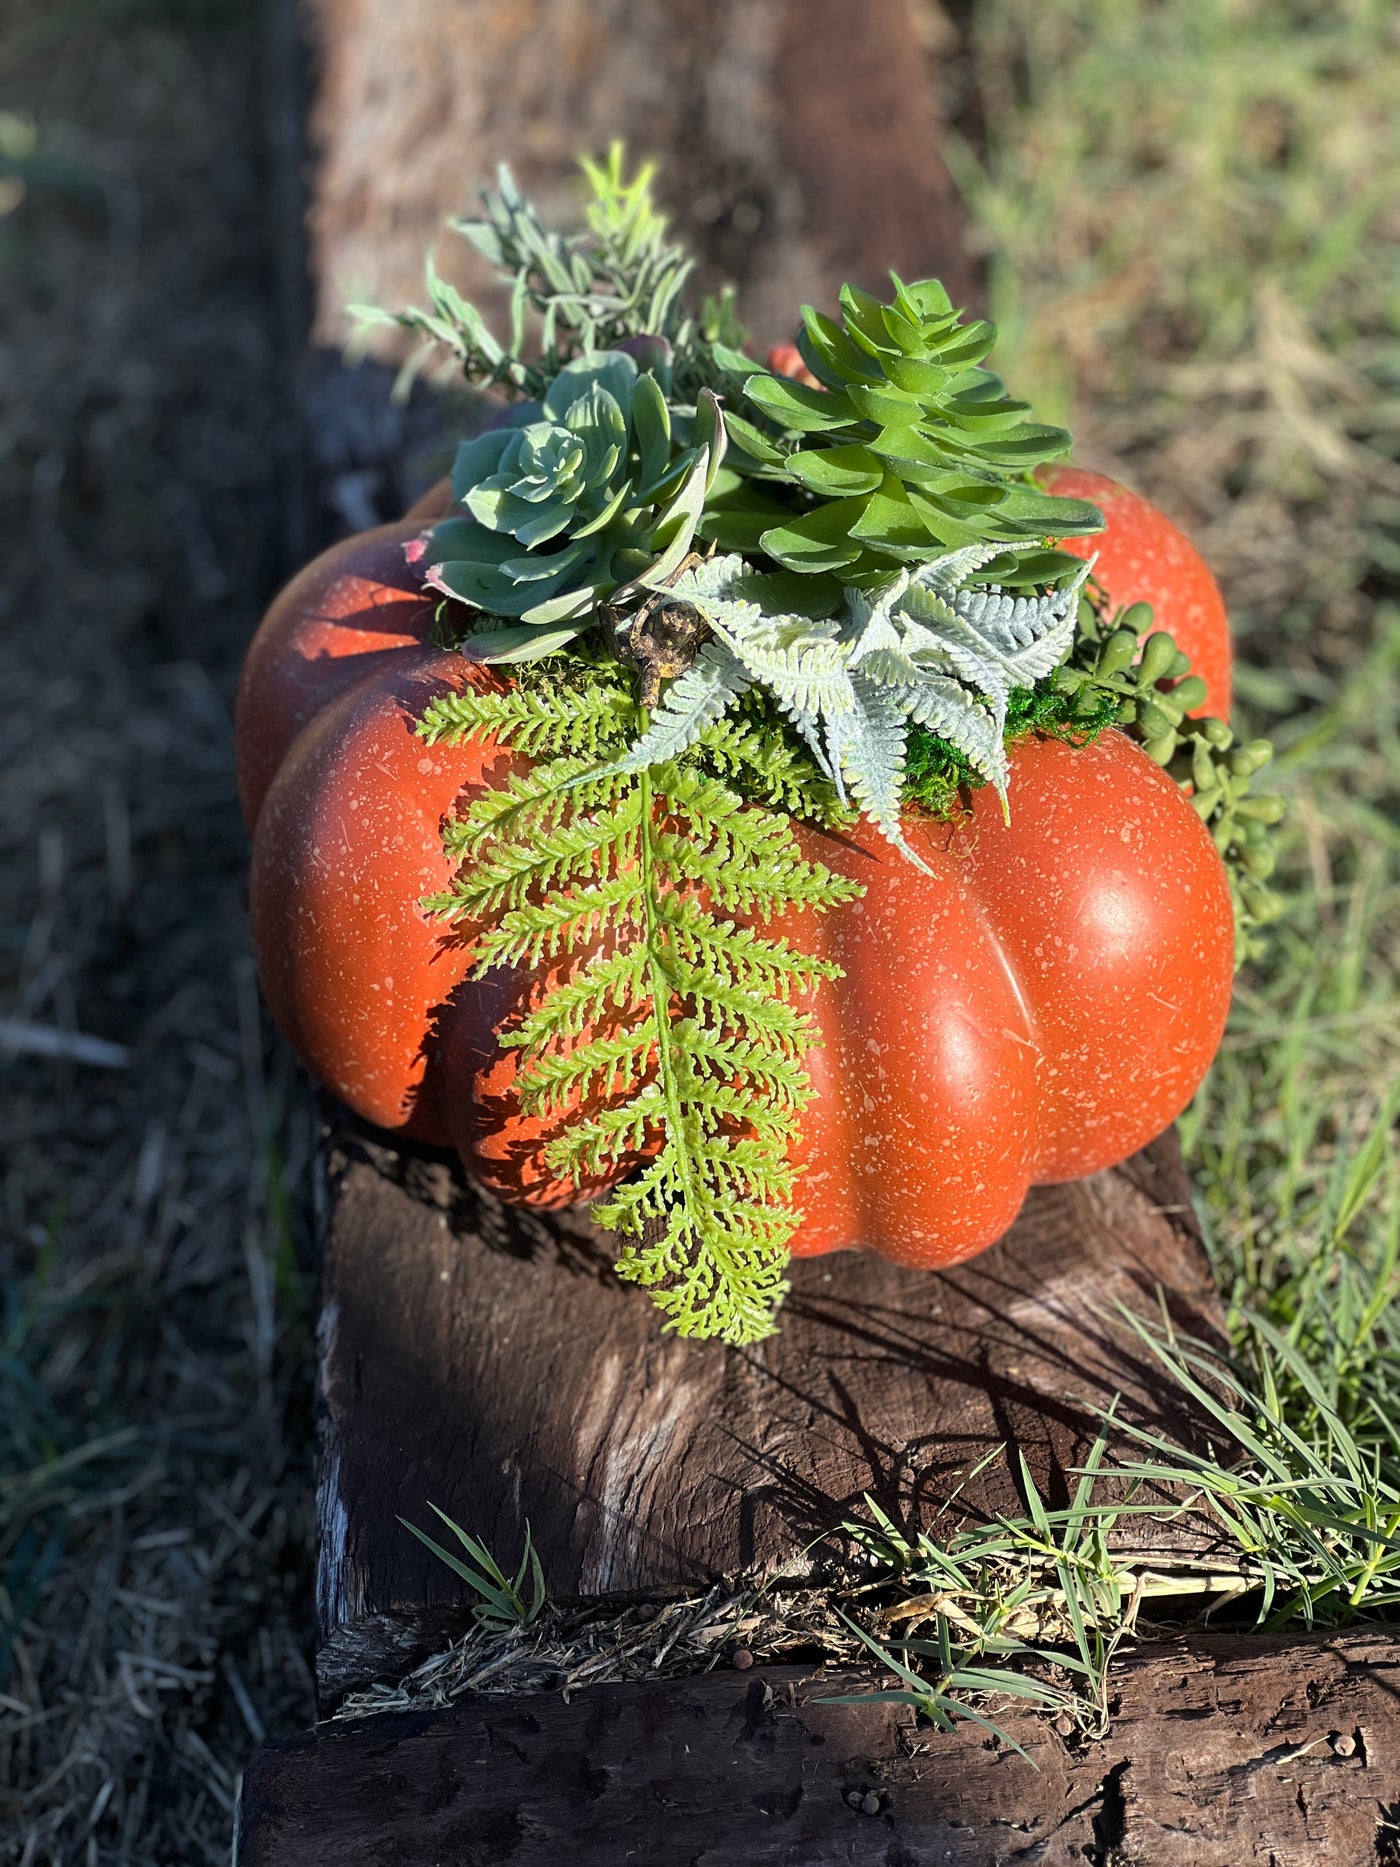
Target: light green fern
[[667, 1039]]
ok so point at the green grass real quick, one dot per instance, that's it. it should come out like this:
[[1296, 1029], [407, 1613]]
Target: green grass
[[1314, 1040], [501, 1598], [1152, 173]]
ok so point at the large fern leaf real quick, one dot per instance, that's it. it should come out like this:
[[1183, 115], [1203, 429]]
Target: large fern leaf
[[668, 1029]]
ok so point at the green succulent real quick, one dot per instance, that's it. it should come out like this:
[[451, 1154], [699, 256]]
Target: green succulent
[[907, 451], [618, 279], [572, 503]]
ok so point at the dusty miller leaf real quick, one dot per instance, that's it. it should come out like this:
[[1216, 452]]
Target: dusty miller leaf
[[700, 696], [920, 649]]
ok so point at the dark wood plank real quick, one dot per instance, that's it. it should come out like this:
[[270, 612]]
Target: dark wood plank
[[488, 1361], [796, 140], [1224, 1750]]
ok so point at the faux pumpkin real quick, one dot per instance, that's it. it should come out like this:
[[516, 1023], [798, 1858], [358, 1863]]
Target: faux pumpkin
[[1039, 1006], [711, 797], [1142, 557]]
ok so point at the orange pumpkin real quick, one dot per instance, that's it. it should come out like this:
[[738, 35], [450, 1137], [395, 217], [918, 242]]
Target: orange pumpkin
[[1144, 558], [1038, 1007]]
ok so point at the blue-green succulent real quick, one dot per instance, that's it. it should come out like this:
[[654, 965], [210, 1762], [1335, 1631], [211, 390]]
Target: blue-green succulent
[[584, 493]]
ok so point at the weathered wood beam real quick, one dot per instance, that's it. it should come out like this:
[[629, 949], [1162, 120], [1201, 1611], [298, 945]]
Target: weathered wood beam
[[488, 1361], [796, 141], [1224, 1749]]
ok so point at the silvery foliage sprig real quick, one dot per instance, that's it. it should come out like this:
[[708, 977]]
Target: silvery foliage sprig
[[922, 649]]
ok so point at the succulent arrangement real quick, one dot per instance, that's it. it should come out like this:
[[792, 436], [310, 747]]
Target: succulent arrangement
[[731, 608]]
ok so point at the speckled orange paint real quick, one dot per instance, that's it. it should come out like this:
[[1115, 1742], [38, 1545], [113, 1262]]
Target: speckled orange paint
[[1039, 1007]]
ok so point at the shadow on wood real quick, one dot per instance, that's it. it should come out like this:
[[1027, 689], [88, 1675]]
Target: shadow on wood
[[488, 1361], [1224, 1749], [796, 145]]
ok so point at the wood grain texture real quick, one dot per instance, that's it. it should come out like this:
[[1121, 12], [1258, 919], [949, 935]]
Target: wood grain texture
[[796, 141], [1225, 1750], [486, 1360]]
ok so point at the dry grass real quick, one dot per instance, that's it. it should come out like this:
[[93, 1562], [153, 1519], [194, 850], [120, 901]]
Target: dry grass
[[1194, 246], [565, 1652], [154, 1416]]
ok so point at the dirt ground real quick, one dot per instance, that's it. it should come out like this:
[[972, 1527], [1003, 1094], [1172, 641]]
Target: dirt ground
[[154, 1408]]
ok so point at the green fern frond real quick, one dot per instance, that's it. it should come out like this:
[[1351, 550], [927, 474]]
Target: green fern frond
[[720, 1005], [604, 984], [601, 1139], [740, 955], [502, 876], [752, 752], [748, 1061], [601, 1066], [667, 1031], [716, 1269], [542, 931], [751, 860], [583, 720], [526, 802]]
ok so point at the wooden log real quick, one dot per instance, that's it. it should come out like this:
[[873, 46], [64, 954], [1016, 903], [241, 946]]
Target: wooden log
[[795, 138], [487, 1361], [1224, 1749]]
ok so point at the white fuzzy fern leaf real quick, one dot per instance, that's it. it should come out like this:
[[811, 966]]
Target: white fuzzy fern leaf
[[703, 694], [947, 708], [870, 747], [991, 640], [802, 663], [921, 649], [954, 568]]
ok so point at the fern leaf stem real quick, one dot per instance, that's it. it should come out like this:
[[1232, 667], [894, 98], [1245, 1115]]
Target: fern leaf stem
[[661, 988]]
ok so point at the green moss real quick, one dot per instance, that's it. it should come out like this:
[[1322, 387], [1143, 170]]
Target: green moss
[[937, 773]]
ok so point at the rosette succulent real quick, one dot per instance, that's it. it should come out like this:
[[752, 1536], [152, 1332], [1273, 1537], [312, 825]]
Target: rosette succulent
[[580, 496]]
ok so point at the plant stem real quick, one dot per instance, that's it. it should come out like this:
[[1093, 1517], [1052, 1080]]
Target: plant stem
[[1368, 1573], [661, 988]]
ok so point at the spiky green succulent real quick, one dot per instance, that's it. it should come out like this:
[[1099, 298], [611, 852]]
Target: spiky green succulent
[[908, 450], [583, 494]]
